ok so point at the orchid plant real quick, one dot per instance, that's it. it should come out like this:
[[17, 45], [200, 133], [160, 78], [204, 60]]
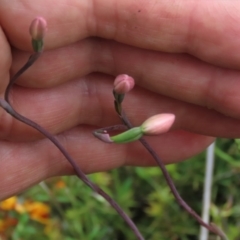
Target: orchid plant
[[155, 125]]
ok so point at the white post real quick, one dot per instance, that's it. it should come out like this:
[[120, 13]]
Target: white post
[[207, 190]]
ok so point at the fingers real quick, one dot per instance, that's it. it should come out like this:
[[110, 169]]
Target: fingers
[[168, 26], [25, 164], [179, 76], [89, 101]]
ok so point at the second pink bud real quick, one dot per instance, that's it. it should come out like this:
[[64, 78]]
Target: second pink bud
[[123, 84]]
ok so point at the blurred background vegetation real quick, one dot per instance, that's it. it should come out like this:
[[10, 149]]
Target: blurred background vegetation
[[65, 209]]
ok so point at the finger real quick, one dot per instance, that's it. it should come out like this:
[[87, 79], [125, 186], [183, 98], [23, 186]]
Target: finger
[[25, 164], [189, 27], [57, 66], [5, 61], [179, 76], [89, 100]]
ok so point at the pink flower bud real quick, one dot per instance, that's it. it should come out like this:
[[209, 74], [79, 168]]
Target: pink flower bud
[[123, 84], [38, 28], [158, 124]]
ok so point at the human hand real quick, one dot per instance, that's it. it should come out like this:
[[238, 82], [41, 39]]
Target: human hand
[[183, 57]]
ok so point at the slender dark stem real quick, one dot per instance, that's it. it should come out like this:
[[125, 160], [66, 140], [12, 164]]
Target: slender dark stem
[[77, 169], [169, 180], [112, 128], [7, 106], [28, 64]]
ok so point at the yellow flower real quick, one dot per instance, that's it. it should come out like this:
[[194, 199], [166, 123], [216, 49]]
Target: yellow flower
[[60, 184], [8, 204], [38, 211]]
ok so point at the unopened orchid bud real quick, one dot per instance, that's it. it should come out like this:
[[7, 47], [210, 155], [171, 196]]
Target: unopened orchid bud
[[158, 124], [38, 28], [154, 125], [130, 135], [37, 31], [123, 84]]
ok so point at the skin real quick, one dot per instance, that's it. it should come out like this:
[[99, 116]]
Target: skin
[[184, 56]]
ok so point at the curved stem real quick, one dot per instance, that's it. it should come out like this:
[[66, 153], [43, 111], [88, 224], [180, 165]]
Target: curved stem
[[170, 183], [7, 106], [77, 169], [28, 64]]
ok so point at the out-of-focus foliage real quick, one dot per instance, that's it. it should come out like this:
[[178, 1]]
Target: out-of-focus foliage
[[65, 209]]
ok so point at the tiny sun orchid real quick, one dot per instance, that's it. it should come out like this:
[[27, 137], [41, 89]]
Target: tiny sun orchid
[[37, 30], [158, 124], [123, 84]]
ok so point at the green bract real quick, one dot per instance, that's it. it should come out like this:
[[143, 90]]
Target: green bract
[[131, 135], [37, 45]]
